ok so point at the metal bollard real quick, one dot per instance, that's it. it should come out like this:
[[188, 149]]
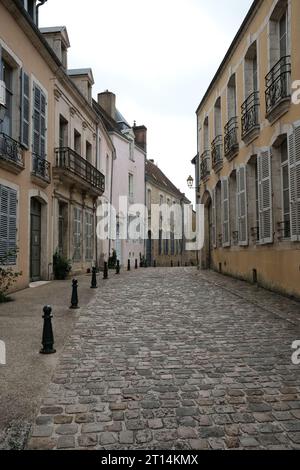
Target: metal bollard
[[48, 339], [105, 272], [154, 263], [178, 264], [118, 267], [136, 264], [172, 265], [94, 279], [74, 298], [128, 265]]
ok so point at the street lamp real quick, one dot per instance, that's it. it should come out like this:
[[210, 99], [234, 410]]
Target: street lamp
[[190, 182]]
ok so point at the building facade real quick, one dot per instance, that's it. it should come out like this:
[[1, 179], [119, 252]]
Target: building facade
[[248, 161], [128, 176], [50, 178], [168, 248]]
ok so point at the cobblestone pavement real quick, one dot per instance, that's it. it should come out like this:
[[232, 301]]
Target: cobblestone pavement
[[176, 359]]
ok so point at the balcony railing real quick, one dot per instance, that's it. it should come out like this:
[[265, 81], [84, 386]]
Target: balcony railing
[[67, 159], [217, 153], [278, 84], [231, 144], [11, 151], [41, 168], [250, 114], [205, 165]]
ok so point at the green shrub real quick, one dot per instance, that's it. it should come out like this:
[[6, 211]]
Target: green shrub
[[61, 266], [7, 275]]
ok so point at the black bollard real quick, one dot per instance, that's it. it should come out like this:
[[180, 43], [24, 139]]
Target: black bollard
[[172, 265], [178, 264], [105, 272], [118, 267], [136, 264], [48, 339], [154, 263], [94, 279], [128, 265], [74, 298]]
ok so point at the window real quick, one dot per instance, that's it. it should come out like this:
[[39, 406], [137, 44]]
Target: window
[[130, 186], [89, 236], [225, 212], [7, 76], [131, 151], [149, 201], [63, 132], [8, 222], [77, 142], [39, 121], [231, 98], [77, 234], [218, 118], [206, 134], [250, 70], [88, 152], [279, 33], [283, 35], [285, 181]]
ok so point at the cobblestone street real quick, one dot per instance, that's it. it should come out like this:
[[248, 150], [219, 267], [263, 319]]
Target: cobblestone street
[[176, 359]]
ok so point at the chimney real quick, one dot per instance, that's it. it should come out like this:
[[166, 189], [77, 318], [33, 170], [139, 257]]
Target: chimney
[[151, 160], [107, 101], [140, 133]]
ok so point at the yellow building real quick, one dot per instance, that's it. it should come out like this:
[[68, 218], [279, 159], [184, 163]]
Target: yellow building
[[248, 161], [50, 139]]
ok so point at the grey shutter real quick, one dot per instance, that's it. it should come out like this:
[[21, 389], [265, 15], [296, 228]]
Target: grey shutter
[[242, 206], [8, 222], [294, 167], [77, 234], [265, 197], [39, 121], [214, 219], [25, 109], [225, 212]]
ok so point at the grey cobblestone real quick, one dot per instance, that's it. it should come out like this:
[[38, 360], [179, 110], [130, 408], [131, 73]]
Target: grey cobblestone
[[208, 366]]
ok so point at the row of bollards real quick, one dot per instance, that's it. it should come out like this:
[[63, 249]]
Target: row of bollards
[[48, 337]]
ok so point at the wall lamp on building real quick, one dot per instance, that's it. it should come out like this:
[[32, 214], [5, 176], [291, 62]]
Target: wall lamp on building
[[190, 182]]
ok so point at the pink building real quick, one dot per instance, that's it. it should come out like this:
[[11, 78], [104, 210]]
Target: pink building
[[128, 173]]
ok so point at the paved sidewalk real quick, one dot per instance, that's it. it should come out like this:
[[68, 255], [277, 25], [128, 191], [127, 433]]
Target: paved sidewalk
[[167, 359], [25, 378]]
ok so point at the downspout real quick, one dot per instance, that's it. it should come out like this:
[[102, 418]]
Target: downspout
[[42, 2]]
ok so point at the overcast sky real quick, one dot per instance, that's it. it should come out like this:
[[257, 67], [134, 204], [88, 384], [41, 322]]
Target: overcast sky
[[158, 57]]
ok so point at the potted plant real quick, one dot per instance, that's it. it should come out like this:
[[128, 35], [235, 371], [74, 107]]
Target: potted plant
[[61, 266], [7, 275]]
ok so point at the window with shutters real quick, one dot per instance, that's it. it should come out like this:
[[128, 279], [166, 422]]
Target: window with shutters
[[242, 206], [225, 212], [25, 109], [265, 197], [285, 188], [214, 219], [8, 223], [77, 234], [89, 236], [39, 121], [6, 74], [294, 183]]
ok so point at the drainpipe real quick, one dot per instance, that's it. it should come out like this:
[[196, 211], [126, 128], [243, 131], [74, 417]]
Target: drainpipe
[[40, 4]]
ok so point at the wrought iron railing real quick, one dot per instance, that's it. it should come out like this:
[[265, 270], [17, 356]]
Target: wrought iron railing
[[231, 144], [69, 160], [205, 165], [11, 151], [250, 113], [41, 167], [278, 83], [217, 152]]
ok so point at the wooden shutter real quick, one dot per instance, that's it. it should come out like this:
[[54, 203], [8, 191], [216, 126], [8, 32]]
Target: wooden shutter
[[39, 121], [294, 169], [242, 209], [8, 222], [225, 212], [25, 109], [214, 219], [265, 197]]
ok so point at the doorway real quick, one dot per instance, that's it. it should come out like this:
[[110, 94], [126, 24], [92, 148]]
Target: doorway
[[35, 240]]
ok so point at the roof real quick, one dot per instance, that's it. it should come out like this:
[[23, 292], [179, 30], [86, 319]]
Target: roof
[[78, 72], [155, 175], [239, 34]]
